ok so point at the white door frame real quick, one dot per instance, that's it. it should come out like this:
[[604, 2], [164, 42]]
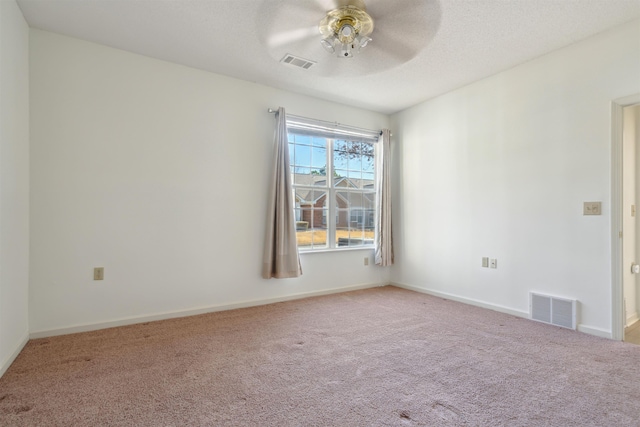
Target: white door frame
[[617, 296]]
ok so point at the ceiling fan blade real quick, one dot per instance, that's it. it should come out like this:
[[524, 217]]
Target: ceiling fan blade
[[419, 19], [327, 5], [405, 14], [283, 26], [292, 36], [318, 7], [394, 48]]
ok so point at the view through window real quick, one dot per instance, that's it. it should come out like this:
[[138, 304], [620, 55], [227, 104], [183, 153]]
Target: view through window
[[334, 189]]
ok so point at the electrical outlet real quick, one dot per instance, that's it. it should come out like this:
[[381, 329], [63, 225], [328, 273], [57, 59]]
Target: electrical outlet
[[485, 261], [493, 263], [592, 208], [366, 260], [98, 273]]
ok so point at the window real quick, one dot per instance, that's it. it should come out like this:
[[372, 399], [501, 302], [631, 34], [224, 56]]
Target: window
[[333, 179]]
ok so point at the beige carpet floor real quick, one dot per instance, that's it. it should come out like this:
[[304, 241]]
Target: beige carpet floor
[[377, 357]]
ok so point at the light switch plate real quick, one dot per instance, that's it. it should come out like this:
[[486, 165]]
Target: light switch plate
[[485, 261], [592, 208]]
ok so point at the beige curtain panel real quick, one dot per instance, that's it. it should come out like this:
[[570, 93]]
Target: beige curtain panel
[[384, 235], [281, 258]]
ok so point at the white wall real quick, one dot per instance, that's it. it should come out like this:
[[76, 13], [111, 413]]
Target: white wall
[[629, 199], [14, 182], [156, 172], [500, 168]]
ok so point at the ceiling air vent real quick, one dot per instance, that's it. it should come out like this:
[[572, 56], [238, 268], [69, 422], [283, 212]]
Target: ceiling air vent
[[297, 61]]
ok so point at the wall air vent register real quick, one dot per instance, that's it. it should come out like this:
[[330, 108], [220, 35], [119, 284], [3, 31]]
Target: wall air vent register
[[553, 310]]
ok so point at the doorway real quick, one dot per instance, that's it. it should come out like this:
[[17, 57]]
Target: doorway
[[630, 229], [625, 229]]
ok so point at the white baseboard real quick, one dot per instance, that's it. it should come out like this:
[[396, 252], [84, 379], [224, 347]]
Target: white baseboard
[[632, 319], [9, 360], [469, 301], [524, 314], [193, 312], [602, 333]]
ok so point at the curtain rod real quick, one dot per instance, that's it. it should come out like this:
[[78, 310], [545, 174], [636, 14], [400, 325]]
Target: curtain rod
[[334, 124]]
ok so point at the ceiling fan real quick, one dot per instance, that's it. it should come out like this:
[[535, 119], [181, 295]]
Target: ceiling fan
[[310, 28]]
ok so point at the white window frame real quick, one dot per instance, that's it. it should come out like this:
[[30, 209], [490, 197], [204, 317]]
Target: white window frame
[[332, 212]]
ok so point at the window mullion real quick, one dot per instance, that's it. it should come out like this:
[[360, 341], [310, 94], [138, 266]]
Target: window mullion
[[331, 214]]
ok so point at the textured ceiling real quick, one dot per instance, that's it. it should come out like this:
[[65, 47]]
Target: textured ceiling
[[420, 48]]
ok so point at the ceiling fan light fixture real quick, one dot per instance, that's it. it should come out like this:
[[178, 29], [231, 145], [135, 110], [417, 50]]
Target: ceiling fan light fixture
[[328, 45], [345, 51], [346, 33], [346, 30]]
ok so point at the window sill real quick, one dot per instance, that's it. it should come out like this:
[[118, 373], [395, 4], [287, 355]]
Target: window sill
[[346, 249]]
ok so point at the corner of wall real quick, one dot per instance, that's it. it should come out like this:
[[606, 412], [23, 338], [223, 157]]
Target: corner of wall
[[14, 183], [5, 364]]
